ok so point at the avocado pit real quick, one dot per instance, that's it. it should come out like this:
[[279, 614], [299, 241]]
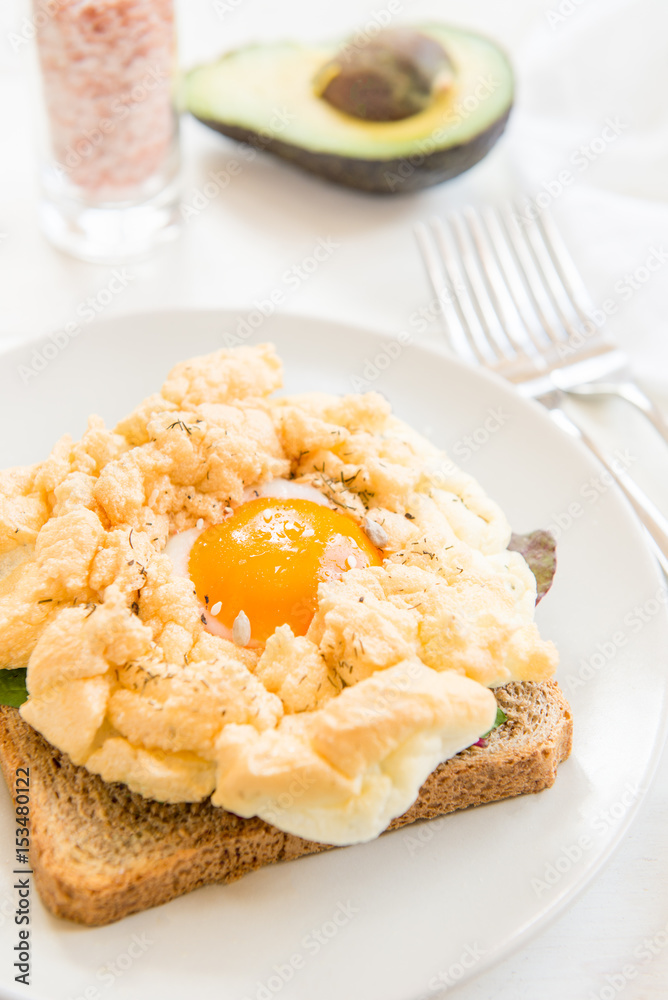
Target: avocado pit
[[393, 76]]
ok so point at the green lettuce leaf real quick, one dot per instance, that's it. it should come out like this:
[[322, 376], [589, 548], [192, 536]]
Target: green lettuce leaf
[[539, 548], [501, 717], [13, 689]]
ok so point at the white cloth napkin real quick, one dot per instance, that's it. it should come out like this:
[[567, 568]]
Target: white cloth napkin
[[591, 101]]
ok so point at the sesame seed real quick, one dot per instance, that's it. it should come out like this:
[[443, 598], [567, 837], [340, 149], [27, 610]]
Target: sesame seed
[[375, 533], [351, 562], [200, 523], [241, 630], [217, 608]]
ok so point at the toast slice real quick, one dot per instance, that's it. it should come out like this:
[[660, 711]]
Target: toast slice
[[100, 852]]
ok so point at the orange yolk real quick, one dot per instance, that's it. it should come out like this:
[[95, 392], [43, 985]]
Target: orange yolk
[[268, 558]]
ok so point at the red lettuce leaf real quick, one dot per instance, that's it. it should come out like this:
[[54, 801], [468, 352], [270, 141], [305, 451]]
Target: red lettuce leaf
[[539, 548]]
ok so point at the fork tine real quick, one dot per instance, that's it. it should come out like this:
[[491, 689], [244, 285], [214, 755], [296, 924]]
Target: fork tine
[[562, 300], [487, 314], [452, 325], [565, 266], [550, 321], [483, 349], [513, 280], [504, 306]]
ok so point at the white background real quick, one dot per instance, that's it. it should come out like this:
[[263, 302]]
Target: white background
[[578, 64]]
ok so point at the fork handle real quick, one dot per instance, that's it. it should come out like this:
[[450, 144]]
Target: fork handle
[[648, 513], [633, 394]]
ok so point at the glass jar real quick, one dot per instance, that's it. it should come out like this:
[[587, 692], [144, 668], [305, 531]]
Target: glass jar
[[110, 169]]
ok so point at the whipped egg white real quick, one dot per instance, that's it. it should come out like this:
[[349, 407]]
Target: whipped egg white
[[327, 734]]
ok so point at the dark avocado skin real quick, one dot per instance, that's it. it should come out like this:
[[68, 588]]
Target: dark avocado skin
[[395, 176]]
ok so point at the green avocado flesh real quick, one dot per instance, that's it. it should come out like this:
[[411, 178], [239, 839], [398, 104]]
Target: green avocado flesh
[[264, 95]]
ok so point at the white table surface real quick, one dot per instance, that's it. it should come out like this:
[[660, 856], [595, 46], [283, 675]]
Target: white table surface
[[579, 62]]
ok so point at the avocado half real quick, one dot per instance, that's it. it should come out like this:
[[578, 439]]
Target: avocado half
[[264, 95]]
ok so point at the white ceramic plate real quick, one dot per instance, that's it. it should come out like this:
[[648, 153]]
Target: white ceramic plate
[[416, 911]]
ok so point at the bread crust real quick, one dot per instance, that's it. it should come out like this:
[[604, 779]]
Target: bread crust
[[100, 852]]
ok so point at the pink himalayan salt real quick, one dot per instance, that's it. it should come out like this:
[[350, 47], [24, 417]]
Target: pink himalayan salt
[[107, 72]]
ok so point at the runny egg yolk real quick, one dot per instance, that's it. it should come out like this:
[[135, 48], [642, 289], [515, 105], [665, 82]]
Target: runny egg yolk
[[268, 558]]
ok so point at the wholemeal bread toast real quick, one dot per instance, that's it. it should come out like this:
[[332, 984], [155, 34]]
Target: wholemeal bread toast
[[100, 852], [243, 628]]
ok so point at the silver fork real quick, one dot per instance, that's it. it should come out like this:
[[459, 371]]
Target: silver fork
[[556, 334], [507, 301]]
